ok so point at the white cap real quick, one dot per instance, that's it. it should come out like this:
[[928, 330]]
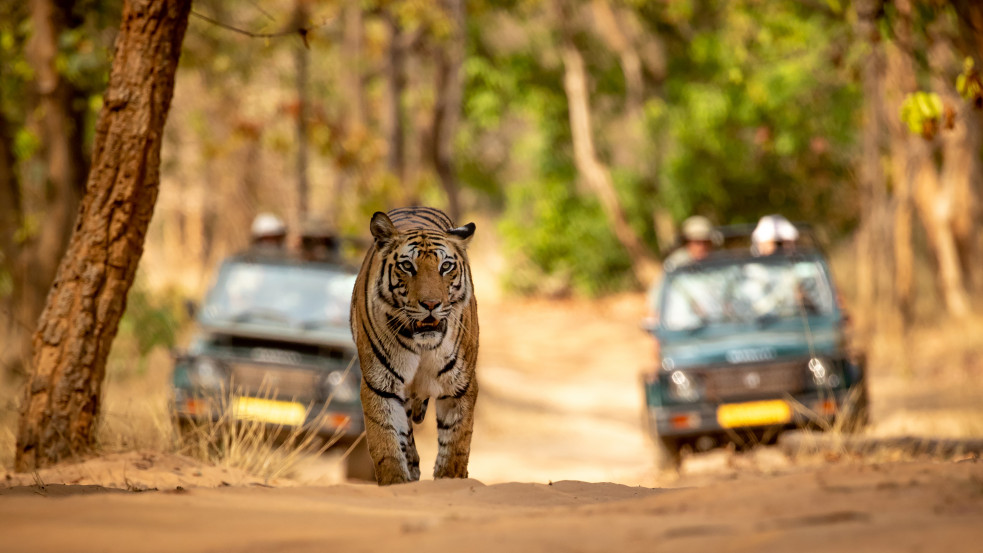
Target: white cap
[[774, 228], [267, 224]]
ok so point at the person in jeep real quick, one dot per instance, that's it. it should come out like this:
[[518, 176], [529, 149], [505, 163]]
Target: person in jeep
[[698, 239]]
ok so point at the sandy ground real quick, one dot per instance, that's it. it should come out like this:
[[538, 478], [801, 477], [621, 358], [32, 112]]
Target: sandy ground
[[903, 507], [559, 462]]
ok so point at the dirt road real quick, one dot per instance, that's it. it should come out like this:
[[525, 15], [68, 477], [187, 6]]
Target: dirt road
[[899, 507]]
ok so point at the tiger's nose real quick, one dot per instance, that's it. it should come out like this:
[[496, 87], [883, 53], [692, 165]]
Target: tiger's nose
[[430, 304]]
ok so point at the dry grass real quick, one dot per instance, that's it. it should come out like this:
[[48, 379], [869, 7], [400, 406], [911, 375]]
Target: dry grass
[[136, 415], [256, 447]]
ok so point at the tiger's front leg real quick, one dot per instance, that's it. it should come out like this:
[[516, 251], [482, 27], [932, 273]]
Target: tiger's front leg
[[387, 433], [455, 419]]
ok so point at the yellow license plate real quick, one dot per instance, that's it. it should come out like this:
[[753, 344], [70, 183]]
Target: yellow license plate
[[271, 411], [754, 413]]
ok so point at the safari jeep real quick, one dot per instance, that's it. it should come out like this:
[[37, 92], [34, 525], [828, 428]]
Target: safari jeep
[[273, 346], [749, 347]]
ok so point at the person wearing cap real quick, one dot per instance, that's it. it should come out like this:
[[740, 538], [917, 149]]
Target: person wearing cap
[[268, 232], [318, 241], [774, 233], [698, 235], [267, 237]]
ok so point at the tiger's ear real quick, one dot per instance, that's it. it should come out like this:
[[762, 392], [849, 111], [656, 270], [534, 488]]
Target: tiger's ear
[[382, 228], [462, 234]]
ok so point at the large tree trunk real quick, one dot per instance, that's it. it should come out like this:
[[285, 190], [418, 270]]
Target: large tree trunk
[[88, 297], [594, 172], [447, 108]]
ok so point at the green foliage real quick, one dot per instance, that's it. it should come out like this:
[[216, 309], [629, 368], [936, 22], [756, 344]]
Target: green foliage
[[757, 113], [565, 242], [757, 109], [151, 321], [969, 85], [921, 112]]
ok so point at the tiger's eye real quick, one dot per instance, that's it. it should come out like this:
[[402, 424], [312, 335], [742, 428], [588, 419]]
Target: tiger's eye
[[406, 266], [446, 266]]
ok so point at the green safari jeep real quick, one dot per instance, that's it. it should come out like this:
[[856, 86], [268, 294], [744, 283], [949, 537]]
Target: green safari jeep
[[273, 346], [750, 346]]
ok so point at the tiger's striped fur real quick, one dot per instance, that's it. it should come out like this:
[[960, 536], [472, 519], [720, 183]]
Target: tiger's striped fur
[[415, 323]]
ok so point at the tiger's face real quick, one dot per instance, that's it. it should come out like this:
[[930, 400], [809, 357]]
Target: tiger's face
[[424, 279]]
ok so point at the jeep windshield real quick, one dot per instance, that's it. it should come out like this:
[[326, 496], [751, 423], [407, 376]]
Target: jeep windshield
[[305, 296], [764, 291]]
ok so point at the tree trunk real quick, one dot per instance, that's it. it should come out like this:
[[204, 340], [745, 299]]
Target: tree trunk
[[970, 21], [447, 107], [934, 204], [871, 174], [610, 29], [301, 61], [396, 160], [936, 187], [961, 172], [594, 173], [899, 82], [356, 126], [61, 123], [11, 329], [88, 296], [352, 78]]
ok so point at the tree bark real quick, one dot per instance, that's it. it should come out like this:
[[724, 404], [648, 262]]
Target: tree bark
[[447, 107], [301, 61], [610, 29], [871, 174], [396, 160], [352, 78], [88, 296], [899, 82], [934, 202], [935, 186], [595, 173], [970, 21]]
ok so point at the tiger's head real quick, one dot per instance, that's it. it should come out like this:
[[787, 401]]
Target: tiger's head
[[424, 278]]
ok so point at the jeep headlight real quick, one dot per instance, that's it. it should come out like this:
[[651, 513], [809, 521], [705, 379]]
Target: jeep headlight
[[683, 387], [823, 375], [339, 386], [208, 374]]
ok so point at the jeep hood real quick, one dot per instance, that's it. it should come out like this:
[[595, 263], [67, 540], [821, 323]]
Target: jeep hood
[[338, 336], [747, 347]]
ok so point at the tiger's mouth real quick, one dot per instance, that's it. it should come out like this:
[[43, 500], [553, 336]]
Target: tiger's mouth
[[430, 324]]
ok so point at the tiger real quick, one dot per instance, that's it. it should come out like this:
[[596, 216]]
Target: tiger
[[414, 319]]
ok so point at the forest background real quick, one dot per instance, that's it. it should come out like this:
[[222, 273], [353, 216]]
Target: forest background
[[583, 131]]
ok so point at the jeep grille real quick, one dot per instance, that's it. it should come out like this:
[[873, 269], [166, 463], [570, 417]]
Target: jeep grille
[[732, 382], [267, 381]]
